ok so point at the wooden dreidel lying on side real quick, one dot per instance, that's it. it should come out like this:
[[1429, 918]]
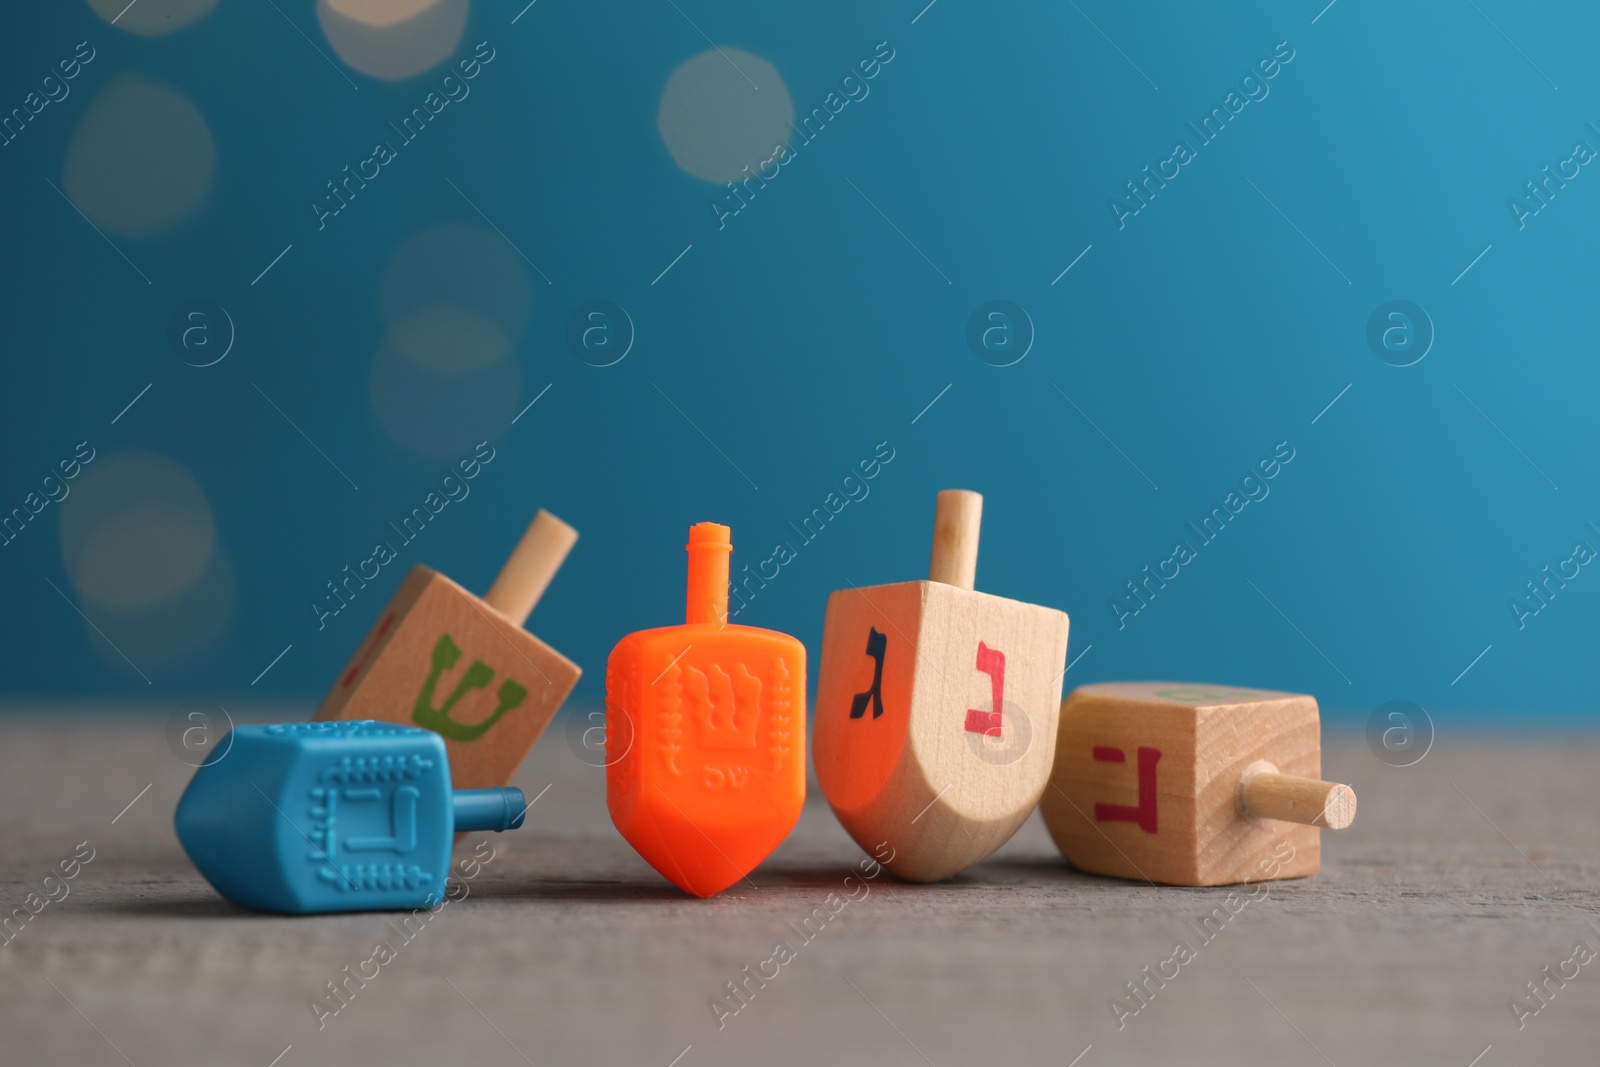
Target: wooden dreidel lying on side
[[936, 708], [706, 734], [1191, 784], [442, 659], [332, 816]]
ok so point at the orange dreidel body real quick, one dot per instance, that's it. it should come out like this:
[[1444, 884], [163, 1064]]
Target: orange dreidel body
[[1191, 784], [440, 658], [706, 734]]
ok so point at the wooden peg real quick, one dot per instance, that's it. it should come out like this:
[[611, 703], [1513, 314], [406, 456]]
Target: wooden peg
[[1269, 795], [957, 515], [535, 560]]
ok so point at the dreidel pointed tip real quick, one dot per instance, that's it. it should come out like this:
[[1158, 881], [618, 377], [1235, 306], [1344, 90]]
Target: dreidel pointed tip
[[701, 857]]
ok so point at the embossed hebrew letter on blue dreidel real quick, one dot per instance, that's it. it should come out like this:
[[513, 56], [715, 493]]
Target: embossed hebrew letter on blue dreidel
[[332, 816]]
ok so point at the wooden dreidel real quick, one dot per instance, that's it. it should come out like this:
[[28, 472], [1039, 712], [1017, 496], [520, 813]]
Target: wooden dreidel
[[706, 734], [936, 708], [332, 816], [442, 659], [1191, 784]]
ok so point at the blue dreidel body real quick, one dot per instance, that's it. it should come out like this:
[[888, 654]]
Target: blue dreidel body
[[332, 816]]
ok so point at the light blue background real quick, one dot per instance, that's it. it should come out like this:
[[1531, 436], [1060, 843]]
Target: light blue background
[[807, 331]]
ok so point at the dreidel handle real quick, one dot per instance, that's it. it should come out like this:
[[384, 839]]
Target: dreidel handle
[[710, 545], [1266, 793], [956, 518], [535, 560], [497, 809]]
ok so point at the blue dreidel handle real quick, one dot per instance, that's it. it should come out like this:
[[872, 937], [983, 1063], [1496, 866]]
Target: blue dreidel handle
[[497, 809]]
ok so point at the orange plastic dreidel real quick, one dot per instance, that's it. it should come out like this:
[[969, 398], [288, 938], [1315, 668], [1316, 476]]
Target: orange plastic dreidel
[[706, 734]]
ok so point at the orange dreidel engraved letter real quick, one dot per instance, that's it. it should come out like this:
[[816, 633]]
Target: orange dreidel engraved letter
[[705, 734]]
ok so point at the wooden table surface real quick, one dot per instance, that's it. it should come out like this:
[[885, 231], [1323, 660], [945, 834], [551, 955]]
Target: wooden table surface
[[1462, 879]]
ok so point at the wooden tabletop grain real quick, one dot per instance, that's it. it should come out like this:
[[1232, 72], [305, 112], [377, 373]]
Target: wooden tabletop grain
[[1463, 879]]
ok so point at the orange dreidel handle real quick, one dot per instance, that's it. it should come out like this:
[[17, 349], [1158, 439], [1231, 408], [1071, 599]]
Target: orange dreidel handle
[[710, 545]]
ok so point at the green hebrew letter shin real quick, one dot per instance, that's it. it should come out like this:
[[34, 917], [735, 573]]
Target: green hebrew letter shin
[[478, 675]]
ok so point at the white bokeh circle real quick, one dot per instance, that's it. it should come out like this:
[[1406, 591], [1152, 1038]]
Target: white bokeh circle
[[460, 265], [141, 159], [393, 39], [450, 340], [722, 111], [136, 532]]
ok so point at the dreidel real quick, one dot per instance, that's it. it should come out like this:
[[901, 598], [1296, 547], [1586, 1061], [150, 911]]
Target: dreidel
[[706, 734], [1191, 784], [332, 816], [442, 659], [936, 707]]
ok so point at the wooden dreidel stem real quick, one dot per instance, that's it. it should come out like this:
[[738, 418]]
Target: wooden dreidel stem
[[442, 659], [535, 560], [705, 733], [937, 708], [1265, 793], [957, 517]]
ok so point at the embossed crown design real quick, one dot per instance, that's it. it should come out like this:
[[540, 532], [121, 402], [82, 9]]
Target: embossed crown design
[[727, 707]]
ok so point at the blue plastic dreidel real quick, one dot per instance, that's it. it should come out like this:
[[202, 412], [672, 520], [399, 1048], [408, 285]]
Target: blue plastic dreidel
[[332, 816]]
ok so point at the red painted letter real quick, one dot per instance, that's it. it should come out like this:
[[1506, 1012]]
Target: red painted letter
[[1144, 814], [992, 662]]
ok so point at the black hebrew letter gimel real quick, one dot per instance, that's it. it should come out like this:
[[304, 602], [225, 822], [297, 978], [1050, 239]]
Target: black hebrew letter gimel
[[876, 644]]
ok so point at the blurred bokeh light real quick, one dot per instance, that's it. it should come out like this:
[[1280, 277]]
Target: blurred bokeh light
[[466, 266], [724, 110], [139, 543], [136, 530], [393, 39], [439, 401], [455, 300], [141, 159]]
